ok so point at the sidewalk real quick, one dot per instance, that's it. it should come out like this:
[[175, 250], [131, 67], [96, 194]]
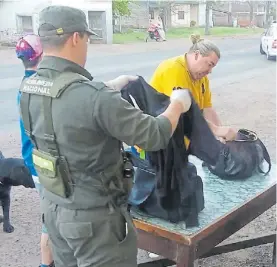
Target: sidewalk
[[7, 55], [99, 49]]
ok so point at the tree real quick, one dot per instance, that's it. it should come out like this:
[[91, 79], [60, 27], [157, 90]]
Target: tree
[[221, 7], [273, 12], [121, 8], [209, 5], [251, 6], [164, 9], [267, 8], [269, 11]]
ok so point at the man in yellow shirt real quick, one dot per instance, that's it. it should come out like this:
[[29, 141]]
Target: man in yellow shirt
[[190, 71]]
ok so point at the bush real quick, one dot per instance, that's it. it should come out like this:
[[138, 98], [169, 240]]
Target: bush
[[192, 23]]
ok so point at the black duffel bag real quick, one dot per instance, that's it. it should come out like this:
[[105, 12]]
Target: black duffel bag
[[241, 158]]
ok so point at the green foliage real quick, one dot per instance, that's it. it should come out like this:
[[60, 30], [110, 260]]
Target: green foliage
[[121, 8], [192, 23]]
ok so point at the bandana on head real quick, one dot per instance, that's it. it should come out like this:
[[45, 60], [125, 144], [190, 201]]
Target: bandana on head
[[29, 48]]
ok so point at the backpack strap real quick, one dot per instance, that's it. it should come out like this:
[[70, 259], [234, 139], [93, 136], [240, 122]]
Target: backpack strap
[[266, 158]]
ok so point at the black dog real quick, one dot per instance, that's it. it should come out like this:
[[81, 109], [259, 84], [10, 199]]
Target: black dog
[[13, 172]]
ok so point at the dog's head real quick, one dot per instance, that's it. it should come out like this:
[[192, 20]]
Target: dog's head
[[14, 172], [20, 175]]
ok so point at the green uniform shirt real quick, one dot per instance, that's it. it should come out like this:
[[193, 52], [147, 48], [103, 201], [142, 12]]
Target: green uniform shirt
[[89, 125]]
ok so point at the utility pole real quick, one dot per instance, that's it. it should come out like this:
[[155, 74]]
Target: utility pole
[[207, 25], [230, 19], [267, 12]]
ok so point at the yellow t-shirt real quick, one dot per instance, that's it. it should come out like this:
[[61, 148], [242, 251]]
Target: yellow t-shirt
[[174, 72]]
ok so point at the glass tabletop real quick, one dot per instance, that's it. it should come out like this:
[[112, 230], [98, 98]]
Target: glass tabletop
[[221, 196]]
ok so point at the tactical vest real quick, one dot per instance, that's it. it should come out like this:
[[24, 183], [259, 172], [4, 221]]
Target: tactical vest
[[51, 166]]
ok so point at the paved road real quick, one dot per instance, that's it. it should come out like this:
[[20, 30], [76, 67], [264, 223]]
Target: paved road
[[242, 70], [240, 59]]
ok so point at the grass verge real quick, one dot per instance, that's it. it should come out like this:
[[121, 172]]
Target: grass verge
[[177, 33]]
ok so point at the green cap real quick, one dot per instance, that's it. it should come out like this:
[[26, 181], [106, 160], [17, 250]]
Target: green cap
[[59, 20]]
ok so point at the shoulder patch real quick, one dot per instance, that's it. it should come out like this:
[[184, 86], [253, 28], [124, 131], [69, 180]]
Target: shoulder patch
[[50, 87], [37, 85]]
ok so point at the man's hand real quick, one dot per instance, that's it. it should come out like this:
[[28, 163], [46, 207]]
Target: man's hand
[[221, 139], [183, 97], [227, 133], [121, 81]]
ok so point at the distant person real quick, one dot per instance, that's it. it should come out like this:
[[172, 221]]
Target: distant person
[[161, 28], [29, 50], [152, 24]]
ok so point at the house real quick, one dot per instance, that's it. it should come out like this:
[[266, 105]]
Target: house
[[174, 14], [226, 13], [18, 17]]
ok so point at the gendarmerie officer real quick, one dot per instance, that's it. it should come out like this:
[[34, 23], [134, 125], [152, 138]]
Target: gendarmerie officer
[[77, 127]]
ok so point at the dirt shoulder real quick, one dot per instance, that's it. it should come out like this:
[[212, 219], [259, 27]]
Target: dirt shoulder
[[8, 56]]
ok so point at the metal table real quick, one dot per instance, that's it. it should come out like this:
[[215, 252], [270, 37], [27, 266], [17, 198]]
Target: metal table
[[229, 206]]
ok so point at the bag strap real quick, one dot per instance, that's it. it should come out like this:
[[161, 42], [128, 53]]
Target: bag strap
[[26, 116], [251, 136], [266, 158], [49, 134]]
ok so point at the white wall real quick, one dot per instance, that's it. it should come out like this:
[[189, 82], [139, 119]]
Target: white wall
[[10, 9], [175, 22], [202, 15], [194, 13], [89, 5]]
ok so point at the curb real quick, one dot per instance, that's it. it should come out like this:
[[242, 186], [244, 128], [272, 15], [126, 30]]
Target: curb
[[211, 37], [115, 49], [4, 47]]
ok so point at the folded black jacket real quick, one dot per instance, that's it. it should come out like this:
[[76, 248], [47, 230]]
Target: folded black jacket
[[178, 190], [168, 186]]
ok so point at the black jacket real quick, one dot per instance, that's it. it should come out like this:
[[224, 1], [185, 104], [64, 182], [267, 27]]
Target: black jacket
[[168, 185], [178, 190]]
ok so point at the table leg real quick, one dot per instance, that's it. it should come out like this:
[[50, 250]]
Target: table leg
[[186, 257], [274, 253]]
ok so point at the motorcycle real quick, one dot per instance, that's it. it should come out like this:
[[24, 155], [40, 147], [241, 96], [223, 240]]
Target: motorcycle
[[153, 34]]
